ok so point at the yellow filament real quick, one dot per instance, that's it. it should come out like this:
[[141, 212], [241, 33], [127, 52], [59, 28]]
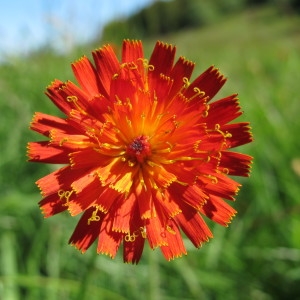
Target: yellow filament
[[94, 216], [205, 113], [225, 134], [63, 141], [130, 237], [65, 194], [170, 229], [198, 92], [74, 100], [214, 179], [225, 171], [143, 232]]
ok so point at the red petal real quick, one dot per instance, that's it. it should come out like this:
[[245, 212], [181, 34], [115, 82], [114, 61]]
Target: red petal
[[209, 82], [161, 61], [218, 210], [155, 228], [132, 250], [87, 188], [175, 246], [109, 241], [107, 65], [59, 180], [192, 195], [43, 123], [193, 226], [235, 163], [46, 153], [88, 157], [87, 76], [167, 203], [240, 134], [220, 185], [86, 230], [182, 69], [60, 101], [52, 205], [223, 111], [122, 213], [132, 51], [107, 198]]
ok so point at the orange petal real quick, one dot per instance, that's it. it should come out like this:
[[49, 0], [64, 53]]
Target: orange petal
[[46, 153], [61, 179], [86, 231], [122, 213], [133, 247], [192, 195], [182, 69], [218, 210], [193, 226], [175, 246], [60, 101], [107, 65], [109, 241], [155, 227], [240, 134], [209, 82], [86, 75], [161, 61], [235, 163], [223, 111], [43, 123], [52, 205], [132, 50]]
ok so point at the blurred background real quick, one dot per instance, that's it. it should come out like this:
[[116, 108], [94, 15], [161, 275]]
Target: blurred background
[[256, 44]]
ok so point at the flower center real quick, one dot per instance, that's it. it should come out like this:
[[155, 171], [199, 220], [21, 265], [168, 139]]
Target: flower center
[[139, 148]]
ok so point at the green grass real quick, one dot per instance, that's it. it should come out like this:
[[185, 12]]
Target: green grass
[[257, 257]]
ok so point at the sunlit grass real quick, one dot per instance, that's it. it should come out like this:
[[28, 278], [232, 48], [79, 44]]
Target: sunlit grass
[[257, 257]]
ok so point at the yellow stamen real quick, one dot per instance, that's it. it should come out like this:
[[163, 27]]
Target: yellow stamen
[[130, 238], [170, 229], [74, 100], [94, 216], [65, 194]]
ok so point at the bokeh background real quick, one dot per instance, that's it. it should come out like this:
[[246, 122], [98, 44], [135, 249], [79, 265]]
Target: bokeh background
[[256, 44]]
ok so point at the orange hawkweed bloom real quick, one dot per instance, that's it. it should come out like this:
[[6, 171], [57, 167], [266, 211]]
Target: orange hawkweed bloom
[[146, 154]]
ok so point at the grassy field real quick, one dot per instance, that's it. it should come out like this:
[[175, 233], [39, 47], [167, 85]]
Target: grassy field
[[257, 257]]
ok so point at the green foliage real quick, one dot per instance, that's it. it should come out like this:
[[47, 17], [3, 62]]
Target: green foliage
[[163, 17], [257, 257]]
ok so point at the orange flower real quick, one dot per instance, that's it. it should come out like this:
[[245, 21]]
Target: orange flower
[[146, 154]]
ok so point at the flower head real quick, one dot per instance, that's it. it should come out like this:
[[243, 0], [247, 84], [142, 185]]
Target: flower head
[[146, 153]]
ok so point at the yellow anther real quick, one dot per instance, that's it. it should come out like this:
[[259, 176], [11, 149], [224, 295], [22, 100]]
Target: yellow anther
[[65, 194], [225, 134], [63, 141], [186, 82], [130, 238], [170, 229], [225, 171], [214, 179], [94, 216], [72, 99], [131, 163], [143, 232], [205, 113], [150, 68], [115, 76], [128, 122]]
